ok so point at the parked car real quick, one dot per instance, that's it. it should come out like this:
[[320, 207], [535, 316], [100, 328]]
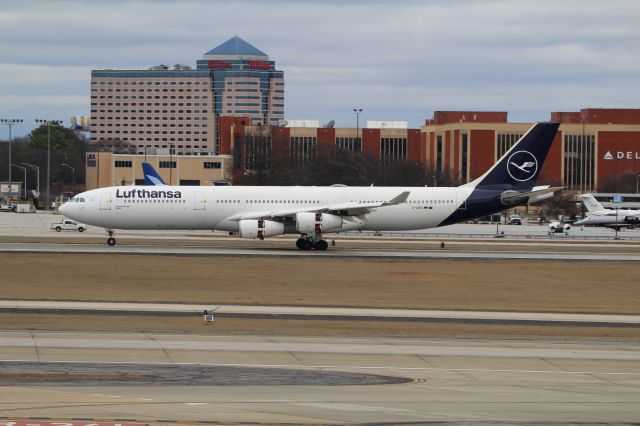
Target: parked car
[[68, 225]]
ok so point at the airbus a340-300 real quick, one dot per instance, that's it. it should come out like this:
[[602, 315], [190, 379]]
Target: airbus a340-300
[[312, 212]]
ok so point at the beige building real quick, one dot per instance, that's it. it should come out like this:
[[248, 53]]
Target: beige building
[[179, 108], [107, 169]]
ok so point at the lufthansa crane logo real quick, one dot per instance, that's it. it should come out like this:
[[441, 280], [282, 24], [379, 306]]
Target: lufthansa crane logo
[[522, 166]]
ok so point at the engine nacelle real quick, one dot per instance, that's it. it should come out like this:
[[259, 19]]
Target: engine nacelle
[[311, 223], [260, 228]]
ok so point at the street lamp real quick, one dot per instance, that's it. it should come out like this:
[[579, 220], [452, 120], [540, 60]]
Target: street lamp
[[37, 169], [74, 175], [10, 122], [48, 123], [24, 187], [357, 111], [171, 149]]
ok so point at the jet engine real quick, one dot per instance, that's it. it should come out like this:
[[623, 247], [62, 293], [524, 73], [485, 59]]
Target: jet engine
[[310, 223], [260, 228]]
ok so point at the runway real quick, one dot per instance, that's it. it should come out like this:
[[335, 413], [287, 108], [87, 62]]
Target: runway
[[426, 380], [599, 253]]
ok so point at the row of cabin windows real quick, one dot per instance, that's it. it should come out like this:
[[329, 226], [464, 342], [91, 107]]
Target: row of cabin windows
[[161, 200], [318, 202], [275, 201]]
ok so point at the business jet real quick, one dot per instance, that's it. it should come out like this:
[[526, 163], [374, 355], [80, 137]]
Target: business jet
[[257, 212], [597, 215]]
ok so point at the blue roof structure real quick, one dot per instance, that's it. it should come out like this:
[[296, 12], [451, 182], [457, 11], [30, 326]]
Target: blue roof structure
[[236, 46]]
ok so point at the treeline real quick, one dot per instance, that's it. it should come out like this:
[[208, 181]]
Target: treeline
[[328, 165], [66, 148]]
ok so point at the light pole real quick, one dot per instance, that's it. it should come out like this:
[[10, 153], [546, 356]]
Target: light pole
[[74, 176], [357, 111], [48, 123], [37, 169], [171, 163], [24, 187], [10, 122]]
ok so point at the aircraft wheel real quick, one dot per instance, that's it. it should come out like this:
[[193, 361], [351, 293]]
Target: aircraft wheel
[[321, 245], [306, 244], [111, 241], [299, 243]]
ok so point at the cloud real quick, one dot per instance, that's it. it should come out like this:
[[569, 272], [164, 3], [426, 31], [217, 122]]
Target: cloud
[[395, 59]]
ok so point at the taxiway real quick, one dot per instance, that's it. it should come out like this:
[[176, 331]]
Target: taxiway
[[426, 380]]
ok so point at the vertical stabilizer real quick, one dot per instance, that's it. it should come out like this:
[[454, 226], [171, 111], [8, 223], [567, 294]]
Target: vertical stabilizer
[[519, 168], [591, 203], [151, 177]]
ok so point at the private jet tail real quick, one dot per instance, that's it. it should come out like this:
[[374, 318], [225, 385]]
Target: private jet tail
[[591, 203], [151, 177], [519, 168]]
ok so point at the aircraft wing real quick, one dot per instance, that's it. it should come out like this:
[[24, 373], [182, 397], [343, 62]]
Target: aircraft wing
[[341, 209]]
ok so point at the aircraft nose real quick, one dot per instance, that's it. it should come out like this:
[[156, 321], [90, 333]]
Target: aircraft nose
[[64, 209]]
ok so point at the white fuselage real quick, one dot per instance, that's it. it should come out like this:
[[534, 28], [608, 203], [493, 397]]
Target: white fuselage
[[607, 217], [217, 207]]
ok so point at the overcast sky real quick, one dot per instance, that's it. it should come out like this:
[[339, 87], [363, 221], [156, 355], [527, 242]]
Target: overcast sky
[[398, 60]]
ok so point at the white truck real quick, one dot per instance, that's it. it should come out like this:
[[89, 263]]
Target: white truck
[[68, 225]]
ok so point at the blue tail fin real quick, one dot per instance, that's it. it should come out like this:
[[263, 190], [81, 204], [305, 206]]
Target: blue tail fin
[[151, 177], [520, 166]]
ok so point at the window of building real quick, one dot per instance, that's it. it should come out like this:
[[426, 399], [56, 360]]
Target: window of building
[[212, 165], [579, 162], [438, 155], [505, 142], [393, 149], [167, 164], [123, 163], [464, 157], [348, 143]]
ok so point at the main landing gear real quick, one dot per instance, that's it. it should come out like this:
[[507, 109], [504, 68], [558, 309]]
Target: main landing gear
[[111, 241], [305, 243]]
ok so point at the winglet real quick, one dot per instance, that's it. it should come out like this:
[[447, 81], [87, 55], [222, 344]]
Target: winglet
[[398, 199]]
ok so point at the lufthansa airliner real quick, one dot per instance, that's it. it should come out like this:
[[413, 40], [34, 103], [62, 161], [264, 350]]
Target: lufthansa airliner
[[311, 212]]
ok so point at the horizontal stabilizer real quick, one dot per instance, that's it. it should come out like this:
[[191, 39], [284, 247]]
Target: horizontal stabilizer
[[514, 198]]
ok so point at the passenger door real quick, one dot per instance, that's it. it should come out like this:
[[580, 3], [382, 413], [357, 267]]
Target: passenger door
[[199, 201], [105, 201]]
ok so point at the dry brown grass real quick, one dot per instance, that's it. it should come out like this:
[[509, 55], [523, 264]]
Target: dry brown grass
[[287, 327], [573, 286]]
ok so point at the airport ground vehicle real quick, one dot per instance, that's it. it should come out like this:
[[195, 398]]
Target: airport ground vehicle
[[515, 219], [68, 225]]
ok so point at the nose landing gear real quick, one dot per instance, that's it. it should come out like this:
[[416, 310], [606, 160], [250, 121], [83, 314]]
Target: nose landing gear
[[111, 241]]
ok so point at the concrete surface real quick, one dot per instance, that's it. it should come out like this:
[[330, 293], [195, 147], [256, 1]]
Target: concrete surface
[[450, 380]]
